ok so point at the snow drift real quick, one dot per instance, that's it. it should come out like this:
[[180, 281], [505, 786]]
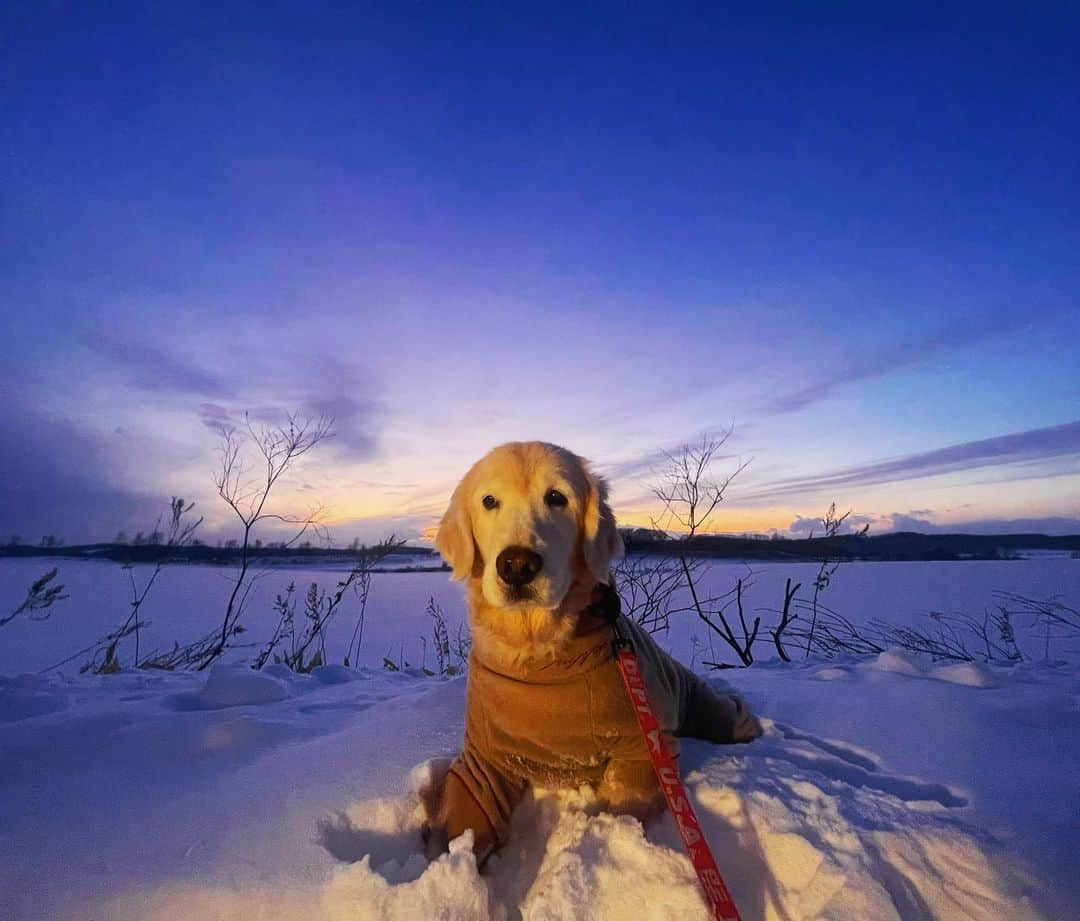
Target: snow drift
[[273, 795]]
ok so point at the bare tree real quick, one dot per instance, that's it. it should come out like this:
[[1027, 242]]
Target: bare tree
[[105, 657], [441, 637], [834, 634], [991, 636], [744, 647], [690, 494], [253, 459], [40, 597], [786, 619], [320, 608], [648, 588], [462, 645], [686, 486], [957, 637], [104, 654], [1050, 617], [179, 534], [828, 563], [366, 561]]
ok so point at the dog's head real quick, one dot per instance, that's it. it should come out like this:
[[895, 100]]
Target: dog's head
[[526, 520]]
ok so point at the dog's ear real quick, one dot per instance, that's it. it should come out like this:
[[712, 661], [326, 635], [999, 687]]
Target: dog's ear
[[455, 540], [602, 542]]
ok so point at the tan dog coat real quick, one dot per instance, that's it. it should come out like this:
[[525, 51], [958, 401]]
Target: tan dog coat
[[570, 722]]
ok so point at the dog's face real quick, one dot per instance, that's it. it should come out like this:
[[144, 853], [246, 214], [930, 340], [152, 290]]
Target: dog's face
[[525, 520]]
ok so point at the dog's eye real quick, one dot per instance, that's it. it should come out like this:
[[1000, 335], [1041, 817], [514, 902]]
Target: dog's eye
[[554, 499], [490, 502]]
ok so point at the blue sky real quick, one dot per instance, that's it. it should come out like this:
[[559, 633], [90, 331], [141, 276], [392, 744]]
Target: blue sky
[[851, 232]]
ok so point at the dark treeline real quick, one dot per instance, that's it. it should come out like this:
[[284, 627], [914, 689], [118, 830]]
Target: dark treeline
[[901, 545], [226, 554]]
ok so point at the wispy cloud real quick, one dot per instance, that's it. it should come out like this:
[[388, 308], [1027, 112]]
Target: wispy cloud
[[1056, 441], [648, 463], [905, 354], [354, 423], [150, 367], [911, 521]]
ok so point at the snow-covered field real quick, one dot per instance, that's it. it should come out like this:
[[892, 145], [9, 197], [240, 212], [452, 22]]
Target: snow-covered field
[[885, 787], [187, 601]]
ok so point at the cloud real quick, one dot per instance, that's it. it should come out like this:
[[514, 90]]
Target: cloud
[[656, 460], [56, 481], [807, 526], [215, 417], [319, 385], [1058, 441], [912, 351], [910, 522], [922, 521], [152, 368], [354, 423]]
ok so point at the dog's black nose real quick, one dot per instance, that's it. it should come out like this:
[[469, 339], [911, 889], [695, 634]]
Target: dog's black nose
[[518, 566]]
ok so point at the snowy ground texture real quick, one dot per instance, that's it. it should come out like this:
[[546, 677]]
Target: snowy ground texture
[[883, 788]]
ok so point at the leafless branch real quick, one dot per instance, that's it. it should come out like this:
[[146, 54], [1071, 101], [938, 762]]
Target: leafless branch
[[786, 619], [274, 450], [828, 564], [686, 486], [105, 653], [690, 494], [40, 597], [1053, 619], [834, 634], [648, 587], [306, 647]]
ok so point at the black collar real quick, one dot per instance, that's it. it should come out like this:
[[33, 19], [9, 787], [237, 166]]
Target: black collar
[[604, 603]]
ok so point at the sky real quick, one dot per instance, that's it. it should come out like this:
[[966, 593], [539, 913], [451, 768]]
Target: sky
[[848, 233]]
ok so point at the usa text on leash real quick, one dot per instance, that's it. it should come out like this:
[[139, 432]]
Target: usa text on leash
[[716, 892]]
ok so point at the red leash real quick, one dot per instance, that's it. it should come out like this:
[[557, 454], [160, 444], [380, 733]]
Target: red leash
[[716, 892]]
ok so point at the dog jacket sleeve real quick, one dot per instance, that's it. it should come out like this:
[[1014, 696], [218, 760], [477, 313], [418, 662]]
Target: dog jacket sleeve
[[479, 793]]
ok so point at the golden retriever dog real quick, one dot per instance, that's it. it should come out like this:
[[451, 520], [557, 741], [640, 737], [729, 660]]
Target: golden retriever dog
[[530, 531]]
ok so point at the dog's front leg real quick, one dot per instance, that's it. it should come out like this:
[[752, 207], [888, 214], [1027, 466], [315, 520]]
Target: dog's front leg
[[629, 787], [471, 795]]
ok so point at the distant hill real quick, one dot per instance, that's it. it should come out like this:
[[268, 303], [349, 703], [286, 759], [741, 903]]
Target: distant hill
[[899, 545], [407, 558]]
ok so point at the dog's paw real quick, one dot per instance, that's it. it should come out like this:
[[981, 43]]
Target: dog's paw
[[747, 727], [435, 839]]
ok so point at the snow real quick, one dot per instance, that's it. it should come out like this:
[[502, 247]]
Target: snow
[[157, 796], [236, 685], [885, 787], [903, 662], [898, 661], [970, 674]]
